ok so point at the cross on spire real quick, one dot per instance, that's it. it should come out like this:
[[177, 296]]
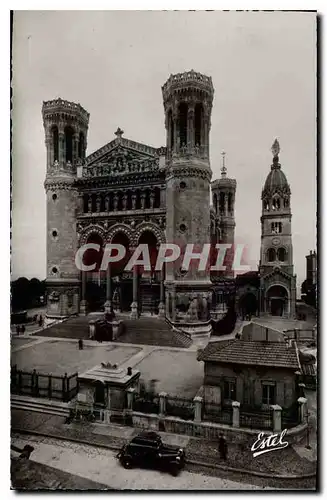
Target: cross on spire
[[223, 168], [119, 132]]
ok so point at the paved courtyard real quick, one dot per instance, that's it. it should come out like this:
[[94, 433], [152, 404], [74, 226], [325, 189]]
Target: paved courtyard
[[57, 357], [176, 370]]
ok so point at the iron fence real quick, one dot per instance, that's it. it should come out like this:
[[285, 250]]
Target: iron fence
[[42, 385], [146, 403], [180, 407], [256, 418], [216, 413], [290, 417]]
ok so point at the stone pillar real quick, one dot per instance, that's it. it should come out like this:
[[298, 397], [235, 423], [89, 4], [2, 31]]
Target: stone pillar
[[197, 408], [162, 403], [277, 418], [134, 306], [130, 398], [142, 196], [91, 329], [236, 413], [301, 389], [124, 201], [98, 203], [134, 196], [116, 199], [173, 305], [49, 146], [108, 303], [303, 410], [61, 139], [162, 293], [115, 329], [152, 199], [190, 126], [162, 197], [89, 204], [83, 304], [107, 204]]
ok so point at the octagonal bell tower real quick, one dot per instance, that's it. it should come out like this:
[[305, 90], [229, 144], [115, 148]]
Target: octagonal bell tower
[[188, 99], [65, 124]]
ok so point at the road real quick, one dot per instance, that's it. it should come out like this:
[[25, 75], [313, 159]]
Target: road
[[100, 465]]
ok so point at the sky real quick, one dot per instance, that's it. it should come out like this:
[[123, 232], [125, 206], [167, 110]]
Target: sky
[[263, 67]]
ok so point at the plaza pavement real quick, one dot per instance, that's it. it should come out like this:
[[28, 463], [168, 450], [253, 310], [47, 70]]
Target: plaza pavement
[[175, 370]]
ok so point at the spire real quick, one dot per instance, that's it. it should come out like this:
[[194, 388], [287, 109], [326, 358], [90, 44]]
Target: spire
[[223, 168]]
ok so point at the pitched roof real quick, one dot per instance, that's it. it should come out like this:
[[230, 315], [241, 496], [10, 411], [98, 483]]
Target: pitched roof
[[276, 354]]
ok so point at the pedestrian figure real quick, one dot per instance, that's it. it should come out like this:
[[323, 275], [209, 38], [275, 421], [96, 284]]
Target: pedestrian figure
[[17, 329], [80, 345], [22, 329], [222, 446], [40, 321]]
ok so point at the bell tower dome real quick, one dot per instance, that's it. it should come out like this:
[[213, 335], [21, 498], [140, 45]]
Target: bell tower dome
[[278, 281]]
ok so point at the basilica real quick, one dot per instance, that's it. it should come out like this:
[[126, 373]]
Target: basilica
[[131, 193]]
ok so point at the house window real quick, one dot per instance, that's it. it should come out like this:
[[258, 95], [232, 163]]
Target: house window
[[230, 390], [268, 393]]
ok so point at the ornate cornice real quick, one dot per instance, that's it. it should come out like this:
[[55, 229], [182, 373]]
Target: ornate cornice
[[187, 171], [128, 180], [60, 184]]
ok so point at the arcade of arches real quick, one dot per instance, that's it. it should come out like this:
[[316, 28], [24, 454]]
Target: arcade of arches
[[117, 288]]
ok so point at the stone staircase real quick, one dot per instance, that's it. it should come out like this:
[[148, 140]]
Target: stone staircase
[[151, 331], [73, 328], [40, 405]]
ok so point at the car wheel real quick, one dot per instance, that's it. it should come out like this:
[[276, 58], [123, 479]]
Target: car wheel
[[175, 471], [127, 463]]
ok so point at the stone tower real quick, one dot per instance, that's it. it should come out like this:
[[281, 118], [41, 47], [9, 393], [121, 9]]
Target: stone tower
[[223, 196], [188, 101], [277, 279], [65, 124]]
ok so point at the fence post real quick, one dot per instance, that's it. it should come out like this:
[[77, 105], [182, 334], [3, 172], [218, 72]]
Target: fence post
[[20, 382], [277, 418], [302, 387], [302, 409], [50, 387], [162, 403], [130, 398], [197, 408], [33, 382], [236, 413], [67, 388], [64, 385]]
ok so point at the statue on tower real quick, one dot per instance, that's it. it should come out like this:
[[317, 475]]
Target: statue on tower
[[275, 149]]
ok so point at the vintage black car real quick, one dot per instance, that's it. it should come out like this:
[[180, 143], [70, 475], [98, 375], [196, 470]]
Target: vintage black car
[[148, 450]]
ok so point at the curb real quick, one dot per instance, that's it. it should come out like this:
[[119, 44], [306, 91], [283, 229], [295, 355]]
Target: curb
[[190, 462]]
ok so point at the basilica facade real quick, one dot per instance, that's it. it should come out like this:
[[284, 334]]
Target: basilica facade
[[131, 193]]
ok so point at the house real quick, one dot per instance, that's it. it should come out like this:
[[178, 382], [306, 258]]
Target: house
[[257, 374]]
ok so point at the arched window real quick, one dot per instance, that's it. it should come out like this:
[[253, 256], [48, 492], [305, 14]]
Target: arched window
[[197, 123], [276, 203], [281, 254], [55, 142], [286, 202], [81, 146], [183, 124], [170, 129], [230, 202], [222, 203], [69, 143], [271, 254], [215, 202]]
